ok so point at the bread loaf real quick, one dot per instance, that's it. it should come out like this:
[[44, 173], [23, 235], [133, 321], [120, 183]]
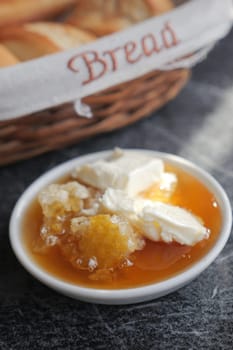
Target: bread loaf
[[104, 17]]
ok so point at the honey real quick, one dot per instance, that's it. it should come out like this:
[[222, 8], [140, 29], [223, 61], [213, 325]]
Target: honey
[[157, 261]]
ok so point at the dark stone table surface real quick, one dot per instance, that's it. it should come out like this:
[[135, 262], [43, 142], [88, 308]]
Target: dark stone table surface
[[197, 125]]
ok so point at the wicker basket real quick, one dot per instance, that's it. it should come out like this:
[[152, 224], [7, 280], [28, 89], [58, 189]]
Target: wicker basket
[[112, 109]]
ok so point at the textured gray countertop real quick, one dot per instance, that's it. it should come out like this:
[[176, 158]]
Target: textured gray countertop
[[197, 125]]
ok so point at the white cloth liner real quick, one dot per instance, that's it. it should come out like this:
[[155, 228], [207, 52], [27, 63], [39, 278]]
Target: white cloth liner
[[45, 82]]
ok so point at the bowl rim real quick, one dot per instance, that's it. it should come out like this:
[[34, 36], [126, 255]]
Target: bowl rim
[[126, 295]]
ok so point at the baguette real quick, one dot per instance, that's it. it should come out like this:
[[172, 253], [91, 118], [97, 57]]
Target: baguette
[[34, 40], [19, 11], [6, 57]]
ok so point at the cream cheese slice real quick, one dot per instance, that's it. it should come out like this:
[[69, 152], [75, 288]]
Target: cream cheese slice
[[168, 223], [131, 172], [155, 220]]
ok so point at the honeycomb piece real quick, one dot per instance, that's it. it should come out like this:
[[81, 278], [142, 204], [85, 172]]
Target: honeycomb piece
[[90, 240], [58, 200], [104, 241]]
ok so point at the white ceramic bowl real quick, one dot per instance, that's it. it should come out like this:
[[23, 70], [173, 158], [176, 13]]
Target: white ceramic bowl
[[121, 296]]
